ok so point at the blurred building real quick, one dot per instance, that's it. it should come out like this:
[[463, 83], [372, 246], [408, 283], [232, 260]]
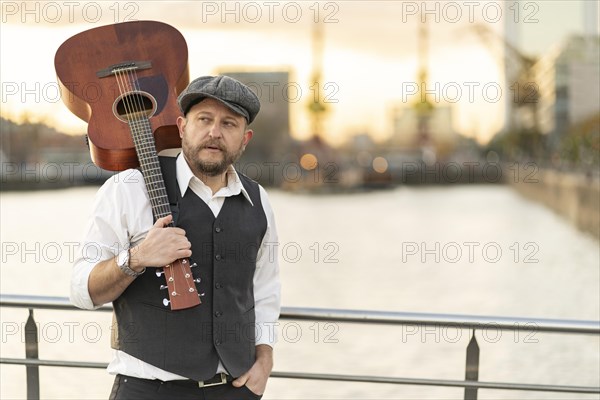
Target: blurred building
[[271, 143], [425, 125], [34, 156], [405, 130], [569, 80], [513, 64]]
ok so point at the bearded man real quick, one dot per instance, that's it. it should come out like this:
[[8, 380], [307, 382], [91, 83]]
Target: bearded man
[[222, 348]]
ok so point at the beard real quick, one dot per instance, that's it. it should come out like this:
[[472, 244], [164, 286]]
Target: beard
[[210, 168]]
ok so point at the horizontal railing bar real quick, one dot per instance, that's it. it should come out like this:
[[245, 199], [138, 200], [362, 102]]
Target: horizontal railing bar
[[365, 316], [52, 363], [438, 382], [42, 302], [350, 378], [454, 320]]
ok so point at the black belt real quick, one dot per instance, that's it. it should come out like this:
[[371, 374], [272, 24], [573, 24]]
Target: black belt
[[218, 379]]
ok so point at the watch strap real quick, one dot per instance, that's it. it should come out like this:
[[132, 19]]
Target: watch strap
[[125, 268]]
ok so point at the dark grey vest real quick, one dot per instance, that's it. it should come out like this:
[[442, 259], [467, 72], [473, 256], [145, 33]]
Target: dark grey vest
[[190, 342]]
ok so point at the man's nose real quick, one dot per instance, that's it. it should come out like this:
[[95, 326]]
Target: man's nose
[[215, 130]]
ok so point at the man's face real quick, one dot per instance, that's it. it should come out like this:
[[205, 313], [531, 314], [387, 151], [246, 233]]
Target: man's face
[[213, 137]]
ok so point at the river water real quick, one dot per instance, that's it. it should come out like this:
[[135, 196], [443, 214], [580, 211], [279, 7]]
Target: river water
[[481, 250]]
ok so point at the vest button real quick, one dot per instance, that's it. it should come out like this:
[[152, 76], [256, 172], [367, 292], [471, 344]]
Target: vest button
[[218, 285], [218, 257], [218, 229], [218, 314]]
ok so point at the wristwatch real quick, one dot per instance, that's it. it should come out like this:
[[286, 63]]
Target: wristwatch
[[123, 264]]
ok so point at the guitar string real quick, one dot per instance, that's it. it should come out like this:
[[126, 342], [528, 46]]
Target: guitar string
[[126, 99], [124, 96], [149, 149], [134, 112], [126, 85], [166, 206], [140, 119], [163, 208], [129, 109]]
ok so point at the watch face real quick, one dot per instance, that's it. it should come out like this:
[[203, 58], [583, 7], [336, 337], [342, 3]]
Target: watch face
[[123, 258]]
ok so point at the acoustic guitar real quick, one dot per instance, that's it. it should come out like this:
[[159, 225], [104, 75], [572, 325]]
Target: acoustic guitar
[[123, 79]]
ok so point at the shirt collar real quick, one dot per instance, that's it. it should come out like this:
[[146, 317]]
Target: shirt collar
[[233, 188]]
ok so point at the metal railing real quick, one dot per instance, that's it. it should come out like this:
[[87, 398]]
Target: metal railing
[[471, 384]]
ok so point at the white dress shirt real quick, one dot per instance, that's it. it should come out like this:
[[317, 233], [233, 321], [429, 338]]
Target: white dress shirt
[[121, 218]]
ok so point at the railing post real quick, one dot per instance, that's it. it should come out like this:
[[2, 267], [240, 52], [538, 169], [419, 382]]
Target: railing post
[[472, 367], [31, 351]]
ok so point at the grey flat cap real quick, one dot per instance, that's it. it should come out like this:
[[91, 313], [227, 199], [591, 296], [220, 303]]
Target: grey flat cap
[[234, 94]]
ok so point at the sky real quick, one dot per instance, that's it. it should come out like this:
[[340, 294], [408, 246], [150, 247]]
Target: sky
[[370, 59]]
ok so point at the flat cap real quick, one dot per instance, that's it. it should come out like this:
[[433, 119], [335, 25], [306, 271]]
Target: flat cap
[[234, 94]]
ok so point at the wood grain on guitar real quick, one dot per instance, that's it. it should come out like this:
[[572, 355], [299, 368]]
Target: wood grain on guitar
[[124, 79], [95, 99]]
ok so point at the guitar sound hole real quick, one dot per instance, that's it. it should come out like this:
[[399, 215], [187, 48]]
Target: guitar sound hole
[[134, 105]]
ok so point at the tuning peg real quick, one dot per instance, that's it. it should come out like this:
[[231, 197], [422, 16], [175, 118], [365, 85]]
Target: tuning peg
[[197, 280], [193, 265], [163, 287], [159, 272], [201, 294], [166, 302]]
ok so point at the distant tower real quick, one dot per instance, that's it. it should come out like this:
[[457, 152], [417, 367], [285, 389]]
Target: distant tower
[[316, 106], [511, 41], [423, 106], [590, 18]]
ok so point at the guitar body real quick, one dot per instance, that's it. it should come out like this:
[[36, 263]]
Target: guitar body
[[96, 99], [124, 79]]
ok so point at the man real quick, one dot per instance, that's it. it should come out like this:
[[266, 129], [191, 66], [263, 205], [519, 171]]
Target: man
[[222, 348]]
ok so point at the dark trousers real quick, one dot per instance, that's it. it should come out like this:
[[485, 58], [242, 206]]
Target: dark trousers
[[128, 388]]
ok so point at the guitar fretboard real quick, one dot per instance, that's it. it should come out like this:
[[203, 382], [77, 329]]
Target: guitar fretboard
[[145, 147]]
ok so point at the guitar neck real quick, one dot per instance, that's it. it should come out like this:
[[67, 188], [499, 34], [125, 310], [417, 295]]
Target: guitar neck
[[181, 284], [145, 147]]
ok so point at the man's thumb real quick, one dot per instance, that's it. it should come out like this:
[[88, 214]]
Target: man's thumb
[[241, 381], [162, 222]]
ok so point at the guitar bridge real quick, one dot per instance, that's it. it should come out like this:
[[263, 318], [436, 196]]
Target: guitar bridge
[[124, 66]]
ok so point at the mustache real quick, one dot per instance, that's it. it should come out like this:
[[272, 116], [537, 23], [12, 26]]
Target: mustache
[[212, 143]]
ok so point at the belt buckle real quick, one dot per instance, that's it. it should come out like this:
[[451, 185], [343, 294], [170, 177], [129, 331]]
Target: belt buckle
[[222, 382]]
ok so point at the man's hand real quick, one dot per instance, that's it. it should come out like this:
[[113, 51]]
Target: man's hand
[[256, 377], [161, 246]]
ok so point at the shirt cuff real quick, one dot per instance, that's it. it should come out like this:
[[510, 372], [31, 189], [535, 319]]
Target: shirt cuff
[[80, 294], [266, 333]]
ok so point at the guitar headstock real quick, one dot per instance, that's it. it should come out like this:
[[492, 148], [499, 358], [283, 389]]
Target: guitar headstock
[[181, 285]]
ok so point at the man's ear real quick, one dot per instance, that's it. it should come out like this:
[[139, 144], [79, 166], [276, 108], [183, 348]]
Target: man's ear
[[247, 136], [181, 121]]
